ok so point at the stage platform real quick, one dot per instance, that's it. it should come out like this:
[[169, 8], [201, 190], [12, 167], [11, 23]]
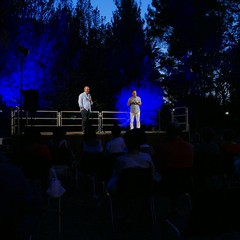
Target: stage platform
[[154, 138], [102, 120], [75, 138]]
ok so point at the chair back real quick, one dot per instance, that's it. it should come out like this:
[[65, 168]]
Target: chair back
[[134, 183], [90, 162]]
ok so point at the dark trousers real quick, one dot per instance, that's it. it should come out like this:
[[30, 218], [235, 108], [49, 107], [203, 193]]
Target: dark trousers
[[85, 117]]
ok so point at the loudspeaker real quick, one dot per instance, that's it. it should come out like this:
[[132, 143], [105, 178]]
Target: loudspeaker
[[31, 100]]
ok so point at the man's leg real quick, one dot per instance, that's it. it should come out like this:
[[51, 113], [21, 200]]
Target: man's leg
[[138, 119], [84, 114], [88, 116], [131, 120]]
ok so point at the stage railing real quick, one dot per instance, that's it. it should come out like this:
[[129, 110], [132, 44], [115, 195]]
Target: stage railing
[[109, 118], [43, 119], [71, 120], [180, 114]]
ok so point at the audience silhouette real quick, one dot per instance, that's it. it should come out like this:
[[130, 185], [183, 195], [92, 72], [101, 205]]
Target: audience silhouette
[[61, 149], [116, 145], [206, 159], [34, 158], [21, 204], [175, 162], [133, 158]]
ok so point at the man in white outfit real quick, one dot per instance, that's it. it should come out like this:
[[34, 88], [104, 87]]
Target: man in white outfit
[[134, 102]]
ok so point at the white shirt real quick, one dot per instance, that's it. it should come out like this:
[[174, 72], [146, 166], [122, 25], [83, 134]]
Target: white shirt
[[128, 160], [84, 101], [134, 108]]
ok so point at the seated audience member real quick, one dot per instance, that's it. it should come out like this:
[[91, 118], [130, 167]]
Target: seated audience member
[[230, 151], [113, 148], [91, 152], [34, 157], [91, 143], [175, 152], [176, 161], [116, 144], [60, 147], [133, 158], [20, 203], [145, 147], [206, 159]]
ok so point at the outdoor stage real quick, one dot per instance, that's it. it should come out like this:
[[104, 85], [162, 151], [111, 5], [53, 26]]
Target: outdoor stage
[[75, 138], [47, 120], [102, 120]]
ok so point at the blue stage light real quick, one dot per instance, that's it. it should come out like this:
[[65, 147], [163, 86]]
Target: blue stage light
[[152, 100]]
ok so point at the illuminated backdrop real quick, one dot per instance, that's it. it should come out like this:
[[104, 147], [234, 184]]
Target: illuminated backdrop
[[52, 63], [152, 100]]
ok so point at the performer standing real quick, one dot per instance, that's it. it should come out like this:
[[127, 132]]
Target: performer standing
[[85, 102], [134, 102]]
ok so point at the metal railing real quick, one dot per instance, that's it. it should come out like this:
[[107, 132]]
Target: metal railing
[[180, 114], [102, 120], [41, 118], [109, 118], [74, 119]]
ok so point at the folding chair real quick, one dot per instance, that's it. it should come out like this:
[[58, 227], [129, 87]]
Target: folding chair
[[56, 191], [134, 184], [90, 165]]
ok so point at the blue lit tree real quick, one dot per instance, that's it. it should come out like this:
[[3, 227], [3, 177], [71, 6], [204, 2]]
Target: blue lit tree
[[30, 57], [132, 63]]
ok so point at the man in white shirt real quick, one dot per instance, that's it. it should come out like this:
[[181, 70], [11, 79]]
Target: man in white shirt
[[134, 102], [85, 102]]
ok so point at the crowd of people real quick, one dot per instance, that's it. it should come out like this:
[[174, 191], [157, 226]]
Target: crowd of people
[[177, 164]]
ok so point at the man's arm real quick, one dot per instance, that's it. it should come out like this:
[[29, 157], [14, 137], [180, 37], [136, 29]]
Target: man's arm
[[80, 102], [90, 99], [129, 102], [139, 102]]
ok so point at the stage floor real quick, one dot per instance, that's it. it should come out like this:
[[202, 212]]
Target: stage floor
[[102, 133], [75, 138]]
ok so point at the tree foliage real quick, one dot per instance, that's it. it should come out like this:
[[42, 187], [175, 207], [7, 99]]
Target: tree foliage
[[189, 47]]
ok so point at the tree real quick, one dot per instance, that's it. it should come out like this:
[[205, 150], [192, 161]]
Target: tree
[[191, 32], [129, 53]]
